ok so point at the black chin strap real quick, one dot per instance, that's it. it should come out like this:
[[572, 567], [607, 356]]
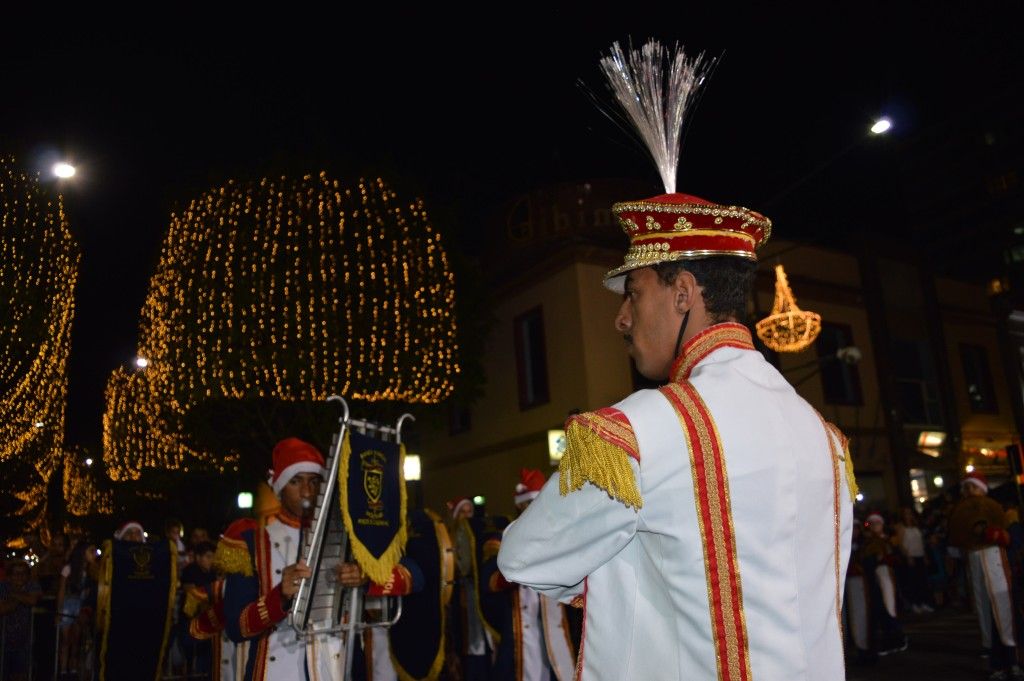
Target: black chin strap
[[682, 330]]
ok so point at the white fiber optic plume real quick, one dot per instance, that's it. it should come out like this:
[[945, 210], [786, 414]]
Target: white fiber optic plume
[[655, 86]]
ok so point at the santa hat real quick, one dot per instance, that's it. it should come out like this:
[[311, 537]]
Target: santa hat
[[291, 457], [976, 478], [875, 517], [130, 525], [455, 505], [530, 482]]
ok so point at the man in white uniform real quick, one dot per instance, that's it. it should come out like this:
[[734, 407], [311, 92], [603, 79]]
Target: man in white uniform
[[704, 525], [535, 640]]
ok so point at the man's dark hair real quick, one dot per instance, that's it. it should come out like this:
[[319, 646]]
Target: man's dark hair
[[725, 281], [204, 547]]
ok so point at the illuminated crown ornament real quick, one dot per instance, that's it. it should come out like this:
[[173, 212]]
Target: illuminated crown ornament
[[787, 328], [655, 87]]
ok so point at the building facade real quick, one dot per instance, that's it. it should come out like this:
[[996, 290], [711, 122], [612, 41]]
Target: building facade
[[928, 396]]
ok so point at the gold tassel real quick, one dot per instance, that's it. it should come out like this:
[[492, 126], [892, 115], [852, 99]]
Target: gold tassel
[[589, 458], [851, 479], [232, 560], [377, 569]]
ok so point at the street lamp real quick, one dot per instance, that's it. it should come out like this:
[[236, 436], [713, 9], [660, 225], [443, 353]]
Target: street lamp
[[88, 462], [63, 170], [881, 126], [141, 362], [411, 468]]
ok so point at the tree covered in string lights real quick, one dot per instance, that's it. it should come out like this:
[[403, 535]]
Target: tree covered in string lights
[[270, 296], [86, 492], [38, 270]]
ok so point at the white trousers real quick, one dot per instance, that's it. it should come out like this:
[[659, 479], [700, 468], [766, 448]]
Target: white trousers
[[887, 585], [857, 611], [990, 583]]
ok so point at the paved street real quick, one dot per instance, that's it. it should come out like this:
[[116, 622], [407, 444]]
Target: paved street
[[943, 647]]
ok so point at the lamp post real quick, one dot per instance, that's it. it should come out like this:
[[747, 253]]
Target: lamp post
[[880, 127]]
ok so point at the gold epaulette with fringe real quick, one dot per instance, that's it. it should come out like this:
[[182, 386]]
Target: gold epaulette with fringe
[[599, 445], [844, 444], [232, 556], [195, 598], [232, 559]]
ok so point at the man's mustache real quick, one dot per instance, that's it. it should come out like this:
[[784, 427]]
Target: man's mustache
[[627, 338]]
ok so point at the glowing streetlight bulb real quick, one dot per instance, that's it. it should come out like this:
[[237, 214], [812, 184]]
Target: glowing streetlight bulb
[[141, 362], [38, 424], [412, 468], [88, 462], [969, 468], [881, 126], [64, 170], [939, 482]]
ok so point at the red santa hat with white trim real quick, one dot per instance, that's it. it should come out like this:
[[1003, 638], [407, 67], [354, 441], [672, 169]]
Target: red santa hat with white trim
[[530, 483], [977, 479], [126, 527], [291, 457], [456, 505]]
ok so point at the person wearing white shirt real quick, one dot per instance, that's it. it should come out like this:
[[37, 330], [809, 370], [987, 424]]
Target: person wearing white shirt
[[704, 526]]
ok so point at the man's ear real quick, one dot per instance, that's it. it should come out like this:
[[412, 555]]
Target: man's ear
[[686, 291]]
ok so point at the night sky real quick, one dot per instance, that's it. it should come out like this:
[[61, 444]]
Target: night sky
[[465, 110]]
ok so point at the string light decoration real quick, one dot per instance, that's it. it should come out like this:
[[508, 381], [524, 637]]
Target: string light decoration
[[142, 431], [38, 270], [34, 506], [284, 289], [82, 495], [787, 328]]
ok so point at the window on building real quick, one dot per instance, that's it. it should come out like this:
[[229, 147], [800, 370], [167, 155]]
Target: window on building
[[840, 381], [980, 392], [531, 358], [916, 384]]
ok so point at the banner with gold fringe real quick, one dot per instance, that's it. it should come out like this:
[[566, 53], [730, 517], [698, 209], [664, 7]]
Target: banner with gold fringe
[[373, 502], [135, 609]]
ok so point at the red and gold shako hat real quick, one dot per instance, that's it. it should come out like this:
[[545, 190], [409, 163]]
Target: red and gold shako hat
[[654, 87], [683, 227]]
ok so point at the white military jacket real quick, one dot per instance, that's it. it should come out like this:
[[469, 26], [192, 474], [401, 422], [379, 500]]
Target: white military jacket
[[705, 526]]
